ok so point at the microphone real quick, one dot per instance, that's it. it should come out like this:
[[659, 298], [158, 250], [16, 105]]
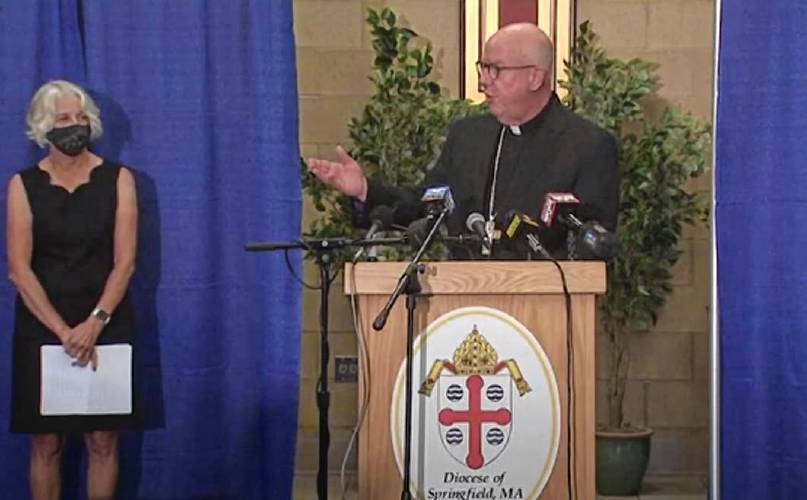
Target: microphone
[[382, 217], [519, 225], [476, 224], [550, 206], [411, 208], [594, 239], [437, 199]]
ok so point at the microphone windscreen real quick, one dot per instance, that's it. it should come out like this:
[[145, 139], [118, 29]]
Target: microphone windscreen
[[473, 219], [598, 242], [384, 215]]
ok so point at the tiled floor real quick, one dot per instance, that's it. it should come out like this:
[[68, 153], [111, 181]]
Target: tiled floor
[[655, 488]]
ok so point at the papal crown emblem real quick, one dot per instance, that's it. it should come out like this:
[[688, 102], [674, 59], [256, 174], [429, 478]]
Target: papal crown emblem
[[474, 356]]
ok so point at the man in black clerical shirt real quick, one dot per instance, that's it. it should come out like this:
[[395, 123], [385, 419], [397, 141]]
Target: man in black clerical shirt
[[528, 145]]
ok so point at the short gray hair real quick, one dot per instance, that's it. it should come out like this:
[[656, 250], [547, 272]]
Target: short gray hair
[[42, 110]]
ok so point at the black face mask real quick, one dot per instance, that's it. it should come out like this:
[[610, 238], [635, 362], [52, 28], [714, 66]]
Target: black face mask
[[70, 140]]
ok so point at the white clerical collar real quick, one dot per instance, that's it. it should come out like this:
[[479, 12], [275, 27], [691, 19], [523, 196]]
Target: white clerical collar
[[515, 129]]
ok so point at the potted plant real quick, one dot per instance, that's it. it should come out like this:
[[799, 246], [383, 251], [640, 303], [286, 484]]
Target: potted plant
[[657, 159]]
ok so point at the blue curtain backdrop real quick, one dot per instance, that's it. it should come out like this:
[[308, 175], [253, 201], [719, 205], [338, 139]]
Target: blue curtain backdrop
[[761, 195], [199, 98]]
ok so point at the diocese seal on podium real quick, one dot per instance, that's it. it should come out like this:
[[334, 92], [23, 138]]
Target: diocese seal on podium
[[486, 417]]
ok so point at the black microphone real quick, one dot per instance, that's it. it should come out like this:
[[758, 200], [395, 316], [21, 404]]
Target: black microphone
[[475, 222], [519, 225], [382, 218], [436, 200], [593, 239]]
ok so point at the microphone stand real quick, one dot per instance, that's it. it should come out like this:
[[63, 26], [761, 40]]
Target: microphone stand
[[324, 249], [408, 284], [326, 244]]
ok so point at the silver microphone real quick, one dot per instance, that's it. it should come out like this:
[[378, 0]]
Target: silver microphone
[[475, 222]]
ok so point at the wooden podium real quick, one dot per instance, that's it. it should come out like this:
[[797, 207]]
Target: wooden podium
[[530, 292]]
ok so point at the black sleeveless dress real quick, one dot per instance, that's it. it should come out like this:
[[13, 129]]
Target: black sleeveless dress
[[72, 256]]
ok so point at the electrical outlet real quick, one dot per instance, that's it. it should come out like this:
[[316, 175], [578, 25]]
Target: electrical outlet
[[346, 369]]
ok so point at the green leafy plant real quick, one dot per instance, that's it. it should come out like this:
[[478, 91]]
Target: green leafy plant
[[657, 159], [402, 127]]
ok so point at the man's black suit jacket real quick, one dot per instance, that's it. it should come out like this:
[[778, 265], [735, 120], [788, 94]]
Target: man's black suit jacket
[[557, 151]]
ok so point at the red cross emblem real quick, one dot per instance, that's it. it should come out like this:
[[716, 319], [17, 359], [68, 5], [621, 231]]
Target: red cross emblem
[[474, 417]]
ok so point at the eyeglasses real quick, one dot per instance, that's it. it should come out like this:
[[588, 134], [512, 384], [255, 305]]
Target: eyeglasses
[[493, 70]]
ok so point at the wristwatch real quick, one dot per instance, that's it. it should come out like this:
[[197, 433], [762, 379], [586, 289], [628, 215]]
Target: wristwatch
[[101, 314]]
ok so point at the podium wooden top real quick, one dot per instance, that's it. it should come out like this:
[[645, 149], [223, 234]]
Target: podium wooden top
[[479, 277]]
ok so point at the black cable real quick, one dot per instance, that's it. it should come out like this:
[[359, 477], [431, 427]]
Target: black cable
[[299, 279], [294, 274], [333, 278], [571, 465]]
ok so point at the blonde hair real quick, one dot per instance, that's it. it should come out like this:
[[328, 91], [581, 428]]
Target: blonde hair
[[42, 110]]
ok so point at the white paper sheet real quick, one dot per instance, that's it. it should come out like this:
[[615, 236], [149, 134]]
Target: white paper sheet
[[74, 390]]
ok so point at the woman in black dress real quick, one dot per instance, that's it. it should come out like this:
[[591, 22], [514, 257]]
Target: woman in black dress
[[71, 236]]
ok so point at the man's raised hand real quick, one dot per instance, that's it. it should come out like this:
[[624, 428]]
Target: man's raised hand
[[345, 174]]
